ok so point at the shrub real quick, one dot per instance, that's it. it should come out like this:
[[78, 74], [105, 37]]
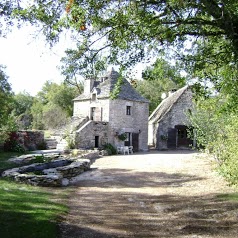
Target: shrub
[[41, 146], [216, 131], [110, 149], [12, 143]]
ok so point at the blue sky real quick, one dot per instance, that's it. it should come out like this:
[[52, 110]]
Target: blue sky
[[30, 63]]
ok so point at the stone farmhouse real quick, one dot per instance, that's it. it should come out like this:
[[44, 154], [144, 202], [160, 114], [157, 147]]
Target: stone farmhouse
[[102, 120], [168, 124]]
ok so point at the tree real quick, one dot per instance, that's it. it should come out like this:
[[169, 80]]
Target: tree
[[53, 105], [64, 95], [216, 132], [159, 78], [7, 120], [22, 109], [129, 31]]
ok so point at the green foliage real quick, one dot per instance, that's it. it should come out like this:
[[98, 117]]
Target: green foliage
[[122, 136], [28, 211], [12, 143], [54, 117], [69, 136], [216, 131], [229, 197], [22, 109], [159, 78], [110, 149], [80, 62], [7, 119], [37, 114], [117, 88], [53, 106], [202, 34], [4, 163]]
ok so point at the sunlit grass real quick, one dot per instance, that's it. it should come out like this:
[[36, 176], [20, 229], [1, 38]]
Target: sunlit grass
[[28, 211]]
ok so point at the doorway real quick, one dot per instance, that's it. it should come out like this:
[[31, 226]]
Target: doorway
[[96, 142], [135, 142], [183, 139]]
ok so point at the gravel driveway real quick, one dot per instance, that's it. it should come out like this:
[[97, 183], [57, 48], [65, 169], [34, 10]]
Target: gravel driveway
[[154, 194]]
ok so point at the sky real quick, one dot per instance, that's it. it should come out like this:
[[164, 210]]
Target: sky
[[30, 62]]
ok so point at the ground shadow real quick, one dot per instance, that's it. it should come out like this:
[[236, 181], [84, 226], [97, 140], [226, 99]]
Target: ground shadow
[[113, 206], [133, 179], [137, 215]]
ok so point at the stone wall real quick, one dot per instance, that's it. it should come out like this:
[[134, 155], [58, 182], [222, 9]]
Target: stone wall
[[176, 116], [83, 109], [85, 136], [137, 122], [56, 173], [29, 140], [59, 171]]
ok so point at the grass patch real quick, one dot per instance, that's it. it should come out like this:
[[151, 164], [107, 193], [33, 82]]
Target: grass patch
[[4, 156], [229, 197], [28, 211]]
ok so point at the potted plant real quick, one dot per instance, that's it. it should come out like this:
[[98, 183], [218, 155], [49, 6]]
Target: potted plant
[[122, 136]]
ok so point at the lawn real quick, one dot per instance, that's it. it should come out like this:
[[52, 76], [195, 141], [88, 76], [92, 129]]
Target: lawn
[[28, 211]]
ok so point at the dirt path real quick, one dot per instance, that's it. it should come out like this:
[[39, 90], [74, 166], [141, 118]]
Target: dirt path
[[155, 194]]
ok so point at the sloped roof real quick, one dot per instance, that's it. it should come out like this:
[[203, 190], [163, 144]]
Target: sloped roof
[[105, 88], [166, 105]]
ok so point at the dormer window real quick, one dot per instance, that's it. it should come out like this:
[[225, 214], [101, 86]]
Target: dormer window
[[94, 96]]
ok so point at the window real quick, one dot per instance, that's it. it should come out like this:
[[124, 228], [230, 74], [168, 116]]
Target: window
[[128, 110], [94, 97], [93, 113]]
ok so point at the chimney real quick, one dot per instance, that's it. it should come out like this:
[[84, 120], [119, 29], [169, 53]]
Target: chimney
[[88, 85]]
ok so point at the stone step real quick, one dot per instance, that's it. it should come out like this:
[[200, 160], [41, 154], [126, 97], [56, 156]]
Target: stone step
[[62, 145], [51, 143]]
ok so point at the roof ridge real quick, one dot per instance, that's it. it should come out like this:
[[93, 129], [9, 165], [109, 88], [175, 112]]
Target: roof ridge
[[176, 95]]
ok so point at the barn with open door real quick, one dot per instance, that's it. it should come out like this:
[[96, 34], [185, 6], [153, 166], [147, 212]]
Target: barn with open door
[[169, 124]]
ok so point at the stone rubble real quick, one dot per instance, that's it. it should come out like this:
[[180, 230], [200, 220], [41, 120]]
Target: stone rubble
[[58, 172]]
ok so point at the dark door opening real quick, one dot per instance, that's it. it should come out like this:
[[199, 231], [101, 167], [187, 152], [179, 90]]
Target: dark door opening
[[135, 142], [96, 141], [127, 142], [172, 138], [183, 139]]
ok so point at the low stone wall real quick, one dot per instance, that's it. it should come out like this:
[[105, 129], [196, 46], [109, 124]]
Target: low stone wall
[[59, 171], [55, 173], [29, 140]]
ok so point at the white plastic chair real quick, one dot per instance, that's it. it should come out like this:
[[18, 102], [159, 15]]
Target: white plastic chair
[[126, 150], [119, 150], [130, 149]]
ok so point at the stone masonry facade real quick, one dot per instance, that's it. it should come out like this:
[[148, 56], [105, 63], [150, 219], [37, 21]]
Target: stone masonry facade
[[172, 113], [108, 118]]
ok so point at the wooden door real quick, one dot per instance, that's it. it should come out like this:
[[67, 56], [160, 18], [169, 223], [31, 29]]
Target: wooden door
[[135, 142], [172, 138]]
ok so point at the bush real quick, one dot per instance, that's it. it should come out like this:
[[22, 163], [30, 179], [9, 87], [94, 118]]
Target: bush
[[110, 149], [216, 131], [41, 146], [12, 144]]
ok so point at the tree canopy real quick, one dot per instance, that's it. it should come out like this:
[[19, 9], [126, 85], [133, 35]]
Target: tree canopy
[[129, 31], [7, 121], [159, 78], [53, 105]]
